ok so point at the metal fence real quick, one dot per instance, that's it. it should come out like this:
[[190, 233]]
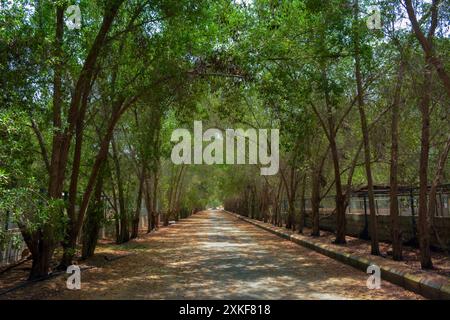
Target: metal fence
[[357, 215], [13, 248], [408, 201], [12, 245]]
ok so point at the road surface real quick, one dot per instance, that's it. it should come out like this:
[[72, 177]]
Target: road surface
[[213, 255]]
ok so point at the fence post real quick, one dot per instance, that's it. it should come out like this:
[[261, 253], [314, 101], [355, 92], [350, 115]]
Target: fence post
[[365, 232], [304, 213], [414, 228], [7, 220]]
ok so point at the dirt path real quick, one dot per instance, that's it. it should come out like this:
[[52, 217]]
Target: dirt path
[[213, 255]]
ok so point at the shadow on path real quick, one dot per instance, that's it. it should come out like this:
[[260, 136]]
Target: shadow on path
[[213, 255]]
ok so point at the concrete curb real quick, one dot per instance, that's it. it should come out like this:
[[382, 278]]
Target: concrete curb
[[429, 286]]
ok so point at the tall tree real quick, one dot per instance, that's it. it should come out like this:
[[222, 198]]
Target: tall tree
[[375, 249]]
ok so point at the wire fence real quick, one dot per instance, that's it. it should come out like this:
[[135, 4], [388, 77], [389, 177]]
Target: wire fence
[[357, 215]]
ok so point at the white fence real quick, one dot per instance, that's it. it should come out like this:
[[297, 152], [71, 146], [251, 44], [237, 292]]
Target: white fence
[[12, 250]]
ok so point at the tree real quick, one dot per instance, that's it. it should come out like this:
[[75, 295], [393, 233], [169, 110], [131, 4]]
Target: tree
[[375, 250]]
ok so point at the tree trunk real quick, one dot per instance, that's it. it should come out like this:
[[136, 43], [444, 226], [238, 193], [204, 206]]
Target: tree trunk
[[170, 195], [375, 249], [156, 165], [340, 197], [166, 215], [265, 202], [276, 204], [41, 252], [148, 205], [393, 209], [177, 194], [315, 204], [424, 223], [62, 140], [426, 42], [252, 203], [124, 234], [437, 178], [155, 213], [115, 207], [75, 224], [291, 214], [40, 266], [291, 190], [137, 214], [432, 205], [301, 217], [94, 219], [54, 179], [43, 243]]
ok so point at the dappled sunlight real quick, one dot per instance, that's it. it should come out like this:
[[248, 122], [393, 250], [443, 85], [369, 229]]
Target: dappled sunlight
[[213, 255]]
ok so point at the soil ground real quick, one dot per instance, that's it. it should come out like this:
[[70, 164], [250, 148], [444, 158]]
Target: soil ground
[[210, 255]]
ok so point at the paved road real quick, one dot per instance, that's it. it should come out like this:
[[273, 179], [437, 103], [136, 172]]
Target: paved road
[[214, 255]]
